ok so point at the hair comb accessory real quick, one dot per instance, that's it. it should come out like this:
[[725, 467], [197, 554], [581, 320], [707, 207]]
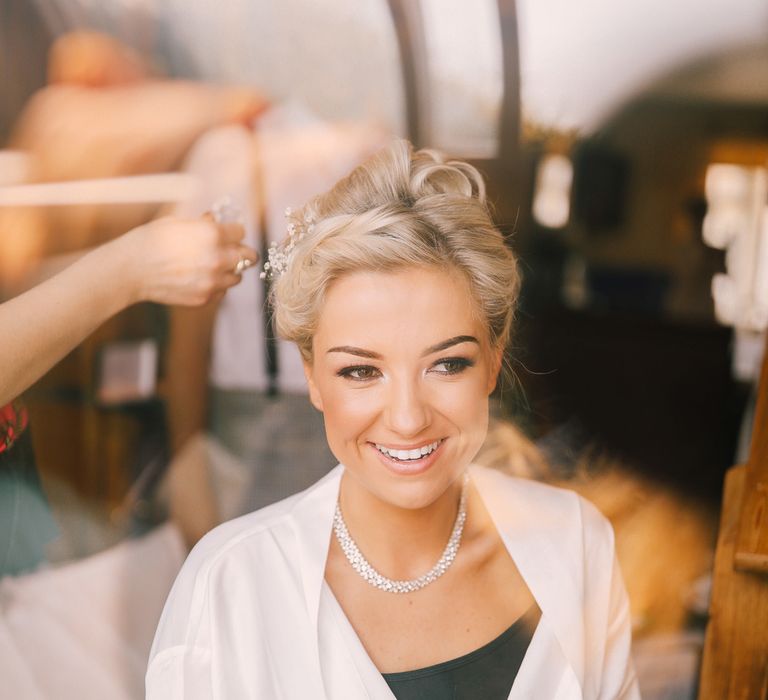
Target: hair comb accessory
[[279, 255]]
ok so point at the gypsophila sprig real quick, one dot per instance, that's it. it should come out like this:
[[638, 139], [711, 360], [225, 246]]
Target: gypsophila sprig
[[279, 254]]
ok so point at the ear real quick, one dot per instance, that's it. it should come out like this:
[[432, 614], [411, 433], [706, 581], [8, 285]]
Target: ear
[[497, 356], [314, 394]]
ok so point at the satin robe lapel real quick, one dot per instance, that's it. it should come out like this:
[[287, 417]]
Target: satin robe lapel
[[529, 527], [545, 672], [313, 521], [363, 679], [313, 524]]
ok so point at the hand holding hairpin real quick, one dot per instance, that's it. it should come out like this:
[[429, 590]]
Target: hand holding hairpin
[[225, 211]]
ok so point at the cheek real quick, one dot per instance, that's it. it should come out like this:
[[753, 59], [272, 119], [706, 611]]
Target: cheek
[[346, 411], [463, 405], [470, 410]]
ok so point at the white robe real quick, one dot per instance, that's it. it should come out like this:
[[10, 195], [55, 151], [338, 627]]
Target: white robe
[[250, 615]]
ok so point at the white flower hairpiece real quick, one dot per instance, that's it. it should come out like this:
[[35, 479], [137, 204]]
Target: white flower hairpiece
[[279, 255]]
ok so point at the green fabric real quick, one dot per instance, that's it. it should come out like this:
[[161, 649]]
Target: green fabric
[[26, 522]]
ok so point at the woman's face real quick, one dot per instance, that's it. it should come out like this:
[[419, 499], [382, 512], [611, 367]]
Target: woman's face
[[402, 370]]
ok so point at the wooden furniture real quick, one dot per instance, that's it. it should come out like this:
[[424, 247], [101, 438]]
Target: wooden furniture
[[735, 663]]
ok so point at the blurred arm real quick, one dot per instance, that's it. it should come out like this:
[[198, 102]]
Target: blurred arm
[[45, 323], [167, 261]]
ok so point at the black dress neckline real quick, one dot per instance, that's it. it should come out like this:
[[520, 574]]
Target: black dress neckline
[[521, 629]]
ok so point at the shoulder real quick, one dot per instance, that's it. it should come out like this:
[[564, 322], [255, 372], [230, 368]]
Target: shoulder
[[559, 514], [244, 531], [251, 529], [229, 563], [564, 549], [544, 496]]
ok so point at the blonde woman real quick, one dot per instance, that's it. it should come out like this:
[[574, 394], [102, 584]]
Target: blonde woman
[[407, 571]]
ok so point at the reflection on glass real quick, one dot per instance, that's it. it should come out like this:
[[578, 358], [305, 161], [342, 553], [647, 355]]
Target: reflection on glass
[[737, 221], [322, 53], [580, 61], [552, 196], [466, 75]]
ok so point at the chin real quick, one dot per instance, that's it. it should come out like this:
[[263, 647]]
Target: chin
[[413, 493]]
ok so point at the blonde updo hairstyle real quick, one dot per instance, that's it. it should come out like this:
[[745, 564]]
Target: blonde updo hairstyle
[[401, 208]]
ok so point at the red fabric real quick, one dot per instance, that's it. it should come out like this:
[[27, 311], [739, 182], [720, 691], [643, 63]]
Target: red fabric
[[13, 422]]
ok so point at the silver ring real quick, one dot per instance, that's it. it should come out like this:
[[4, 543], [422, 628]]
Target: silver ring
[[242, 265]]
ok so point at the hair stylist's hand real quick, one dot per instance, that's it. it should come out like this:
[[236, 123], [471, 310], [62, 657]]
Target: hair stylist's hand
[[185, 262]]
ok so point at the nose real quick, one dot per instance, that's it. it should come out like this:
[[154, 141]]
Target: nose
[[407, 411]]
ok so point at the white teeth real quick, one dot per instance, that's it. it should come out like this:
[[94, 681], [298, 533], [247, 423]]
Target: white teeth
[[406, 455]]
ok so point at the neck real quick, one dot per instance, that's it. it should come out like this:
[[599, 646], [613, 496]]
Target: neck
[[400, 543]]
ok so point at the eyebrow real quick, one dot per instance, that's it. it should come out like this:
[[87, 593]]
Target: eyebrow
[[443, 345]]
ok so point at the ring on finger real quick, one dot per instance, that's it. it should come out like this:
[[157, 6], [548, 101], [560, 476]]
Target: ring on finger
[[242, 265]]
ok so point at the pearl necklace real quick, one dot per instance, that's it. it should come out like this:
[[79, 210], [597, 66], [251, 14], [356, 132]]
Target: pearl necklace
[[360, 564]]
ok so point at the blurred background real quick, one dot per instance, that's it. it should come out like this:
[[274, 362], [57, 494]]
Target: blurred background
[[625, 146]]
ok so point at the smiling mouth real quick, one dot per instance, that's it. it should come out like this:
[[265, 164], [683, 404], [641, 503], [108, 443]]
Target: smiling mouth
[[409, 455]]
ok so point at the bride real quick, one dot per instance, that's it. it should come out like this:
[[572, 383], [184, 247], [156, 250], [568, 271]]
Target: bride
[[407, 571]]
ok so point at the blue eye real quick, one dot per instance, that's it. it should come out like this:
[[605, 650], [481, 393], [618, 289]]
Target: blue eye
[[359, 373], [452, 365]]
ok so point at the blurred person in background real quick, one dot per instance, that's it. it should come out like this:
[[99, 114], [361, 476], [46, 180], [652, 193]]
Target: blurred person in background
[[103, 114], [167, 261]]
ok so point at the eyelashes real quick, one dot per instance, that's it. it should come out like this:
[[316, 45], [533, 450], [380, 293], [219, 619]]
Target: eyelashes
[[454, 365], [450, 366], [358, 373]]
